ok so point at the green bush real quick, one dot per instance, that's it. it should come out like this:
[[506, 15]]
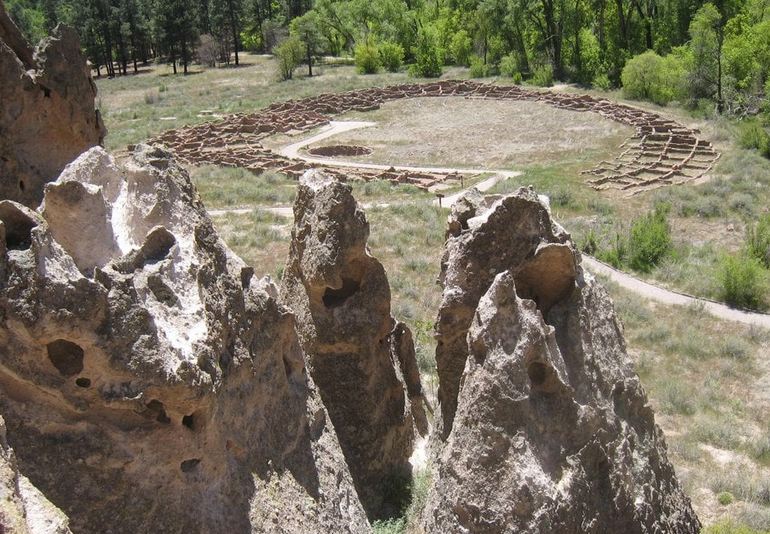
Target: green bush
[[517, 78], [509, 66], [542, 77], [427, 54], [649, 240], [391, 56], [758, 240], [657, 79], [367, 58], [725, 498], [742, 281], [753, 136], [479, 69], [461, 48], [601, 81], [289, 54]]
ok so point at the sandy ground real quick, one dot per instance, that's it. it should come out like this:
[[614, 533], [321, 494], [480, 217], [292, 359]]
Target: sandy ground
[[486, 134]]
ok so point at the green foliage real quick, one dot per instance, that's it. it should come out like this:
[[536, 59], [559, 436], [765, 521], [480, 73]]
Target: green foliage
[[601, 81], [542, 77], [367, 58], [389, 526], [509, 66], [753, 136], [650, 240], [289, 55], [742, 281], [391, 56], [758, 240], [704, 43], [728, 526], [479, 69], [651, 77], [427, 54], [461, 48]]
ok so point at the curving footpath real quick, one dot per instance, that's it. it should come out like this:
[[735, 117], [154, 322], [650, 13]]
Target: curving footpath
[[624, 280], [673, 298]]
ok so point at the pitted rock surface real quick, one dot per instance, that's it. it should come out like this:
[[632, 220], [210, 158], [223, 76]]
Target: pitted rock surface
[[47, 117], [551, 431], [149, 383], [341, 297]]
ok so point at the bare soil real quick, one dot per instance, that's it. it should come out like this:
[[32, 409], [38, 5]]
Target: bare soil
[[489, 134]]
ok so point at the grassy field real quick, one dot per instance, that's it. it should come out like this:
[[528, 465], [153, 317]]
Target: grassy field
[[709, 381]]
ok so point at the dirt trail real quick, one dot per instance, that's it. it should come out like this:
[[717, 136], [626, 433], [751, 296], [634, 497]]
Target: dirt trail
[[626, 281], [665, 296]]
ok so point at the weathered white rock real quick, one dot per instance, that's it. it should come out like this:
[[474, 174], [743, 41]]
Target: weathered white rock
[[47, 116], [341, 297], [552, 431], [148, 382]]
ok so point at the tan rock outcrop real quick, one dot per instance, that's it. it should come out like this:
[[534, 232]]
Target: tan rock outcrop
[[148, 382], [341, 297], [23, 509], [47, 117], [551, 430]]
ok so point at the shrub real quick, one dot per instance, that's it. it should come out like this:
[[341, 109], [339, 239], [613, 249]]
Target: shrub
[[391, 56], [208, 50], [725, 498], [517, 78], [649, 241], [427, 54], [651, 77], [758, 240], [479, 69], [461, 48], [601, 81], [754, 137], [367, 58], [542, 77], [741, 281], [509, 66], [289, 55], [616, 255]]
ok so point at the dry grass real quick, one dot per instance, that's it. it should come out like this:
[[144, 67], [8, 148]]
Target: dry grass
[[707, 380], [487, 134]]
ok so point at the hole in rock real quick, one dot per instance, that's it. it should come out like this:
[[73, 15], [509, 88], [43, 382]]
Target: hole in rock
[[21, 185], [83, 382], [189, 421], [336, 297], [189, 465], [46, 92], [18, 226], [157, 411], [537, 373], [66, 356], [157, 244]]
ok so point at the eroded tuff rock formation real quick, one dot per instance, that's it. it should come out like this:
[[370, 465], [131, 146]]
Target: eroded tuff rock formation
[[23, 509], [149, 383], [547, 427], [47, 116], [341, 297]]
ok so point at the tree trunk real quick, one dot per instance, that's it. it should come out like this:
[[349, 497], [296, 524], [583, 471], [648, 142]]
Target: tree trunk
[[234, 28]]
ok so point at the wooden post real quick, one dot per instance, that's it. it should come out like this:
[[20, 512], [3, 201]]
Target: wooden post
[[439, 196]]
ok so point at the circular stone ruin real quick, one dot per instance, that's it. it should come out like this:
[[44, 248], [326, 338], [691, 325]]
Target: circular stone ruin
[[660, 152], [332, 151]]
